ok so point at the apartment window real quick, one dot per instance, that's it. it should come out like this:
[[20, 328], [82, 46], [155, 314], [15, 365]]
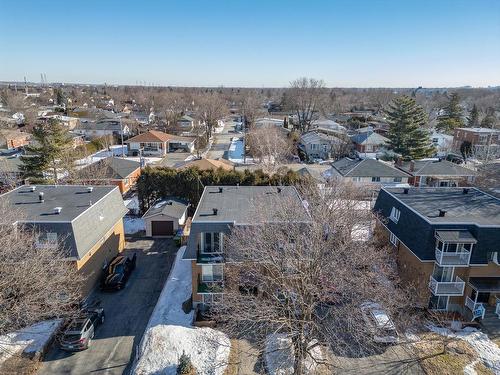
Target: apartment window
[[375, 179], [356, 179], [438, 303], [212, 242], [212, 272], [395, 214], [46, 239], [394, 240]]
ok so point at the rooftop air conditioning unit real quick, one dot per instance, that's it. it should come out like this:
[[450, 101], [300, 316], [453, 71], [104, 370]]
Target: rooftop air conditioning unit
[[57, 210]]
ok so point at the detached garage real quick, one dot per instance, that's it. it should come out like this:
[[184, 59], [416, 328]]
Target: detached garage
[[165, 218]]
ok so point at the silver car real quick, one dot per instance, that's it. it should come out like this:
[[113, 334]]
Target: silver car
[[80, 331], [379, 323]]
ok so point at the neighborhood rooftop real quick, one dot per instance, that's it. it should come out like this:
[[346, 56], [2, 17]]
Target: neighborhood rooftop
[[434, 168], [71, 199], [460, 205], [348, 167], [237, 204]]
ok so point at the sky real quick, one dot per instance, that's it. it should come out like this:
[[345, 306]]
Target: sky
[[254, 43]]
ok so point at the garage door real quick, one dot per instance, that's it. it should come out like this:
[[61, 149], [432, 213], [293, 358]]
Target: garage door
[[162, 228]]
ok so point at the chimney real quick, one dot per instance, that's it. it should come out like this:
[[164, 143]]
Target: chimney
[[40, 197], [465, 191], [90, 189], [412, 166], [220, 189], [406, 190], [215, 210], [442, 213], [57, 210]]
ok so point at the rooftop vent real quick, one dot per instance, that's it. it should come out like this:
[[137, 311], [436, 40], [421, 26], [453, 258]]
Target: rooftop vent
[[406, 190], [279, 190], [442, 213], [169, 203], [32, 188], [40, 196], [220, 189], [465, 191], [90, 189], [57, 210], [215, 211]]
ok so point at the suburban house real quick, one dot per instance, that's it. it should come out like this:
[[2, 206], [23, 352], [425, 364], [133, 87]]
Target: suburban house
[[10, 172], [366, 171], [442, 142], [101, 128], [157, 143], [485, 142], [436, 173], [221, 208], [368, 143], [165, 218], [85, 220], [318, 145], [11, 139], [123, 173], [185, 123], [269, 121], [329, 127], [207, 164], [448, 245]]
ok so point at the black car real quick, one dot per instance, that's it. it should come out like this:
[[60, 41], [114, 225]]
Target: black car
[[80, 331], [117, 272]]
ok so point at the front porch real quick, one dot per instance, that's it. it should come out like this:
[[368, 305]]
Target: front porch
[[483, 302]]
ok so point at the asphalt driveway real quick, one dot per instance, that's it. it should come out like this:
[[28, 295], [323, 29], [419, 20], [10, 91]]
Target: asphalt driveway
[[127, 313]]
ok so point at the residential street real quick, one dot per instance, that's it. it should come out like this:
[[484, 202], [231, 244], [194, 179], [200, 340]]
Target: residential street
[[127, 313], [222, 141]]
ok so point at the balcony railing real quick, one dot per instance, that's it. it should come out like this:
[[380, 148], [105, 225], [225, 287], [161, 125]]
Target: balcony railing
[[212, 286], [477, 309], [447, 288], [210, 258], [444, 258]]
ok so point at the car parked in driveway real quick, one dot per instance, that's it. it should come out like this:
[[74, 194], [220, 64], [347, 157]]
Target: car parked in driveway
[[379, 323], [117, 272], [80, 331]]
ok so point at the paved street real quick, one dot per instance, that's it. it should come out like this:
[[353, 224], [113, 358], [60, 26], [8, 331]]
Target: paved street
[[127, 313], [222, 141]]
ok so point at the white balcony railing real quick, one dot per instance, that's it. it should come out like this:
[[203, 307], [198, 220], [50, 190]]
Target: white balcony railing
[[447, 288], [444, 258], [477, 309], [497, 307]]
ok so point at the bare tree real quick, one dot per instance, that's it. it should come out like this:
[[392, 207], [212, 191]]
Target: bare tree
[[36, 280], [270, 145], [306, 97], [211, 107], [304, 277], [172, 106], [250, 106]]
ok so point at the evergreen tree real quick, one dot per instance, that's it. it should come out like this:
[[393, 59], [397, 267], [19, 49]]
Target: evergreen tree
[[452, 115], [407, 135], [473, 119], [50, 144], [490, 120]]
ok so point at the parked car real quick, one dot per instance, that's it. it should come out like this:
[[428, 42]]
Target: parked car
[[454, 158], [379, 323], [117, 272], [80, 332]]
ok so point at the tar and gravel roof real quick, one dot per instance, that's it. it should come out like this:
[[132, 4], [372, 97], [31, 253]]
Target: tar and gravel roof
[[237, 204], [474, 207]]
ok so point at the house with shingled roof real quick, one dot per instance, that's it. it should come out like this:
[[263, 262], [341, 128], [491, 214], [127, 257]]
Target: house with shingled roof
[[157, 143]]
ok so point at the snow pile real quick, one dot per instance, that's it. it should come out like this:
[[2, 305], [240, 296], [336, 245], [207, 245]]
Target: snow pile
[[169, 332], [132, 204], [488, 351], [31, 340], [133, 224], [280, 358]]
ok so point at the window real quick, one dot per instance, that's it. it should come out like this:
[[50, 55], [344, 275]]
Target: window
[[210, 299], [314, 146], [438, 303], [375, 179], [398, 179], [395, 213], [47, 239], [356, 179], [435, 140], [212, 272], [394, 240], [212, 242]]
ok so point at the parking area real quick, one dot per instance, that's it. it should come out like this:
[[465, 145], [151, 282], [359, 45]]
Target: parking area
[[127, 313]]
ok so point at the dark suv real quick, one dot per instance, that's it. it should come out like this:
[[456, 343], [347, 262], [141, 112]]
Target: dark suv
[[117, 272], [80, 331]]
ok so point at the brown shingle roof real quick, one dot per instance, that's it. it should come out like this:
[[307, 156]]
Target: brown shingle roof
[[156, 136]]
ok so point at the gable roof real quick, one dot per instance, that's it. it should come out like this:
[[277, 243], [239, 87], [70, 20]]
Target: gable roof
[[170, 207], [314, 136], [113, 168], [434, 168], [156, 136], [371, 138], [366, 168]]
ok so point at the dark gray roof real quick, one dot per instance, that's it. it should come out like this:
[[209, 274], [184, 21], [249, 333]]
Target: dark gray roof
[[485, 284], [370, 138], [461, 236], [84, 219], [475, 207], [435, 168], [366, 168], [170, 207], [113, 168], [236, 204]]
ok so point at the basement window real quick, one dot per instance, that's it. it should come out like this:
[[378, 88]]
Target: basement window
[[395, 214], [394, 240]]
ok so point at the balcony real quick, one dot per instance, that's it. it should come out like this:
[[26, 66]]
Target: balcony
[[210, 286], [447, 288], [457, 259], [477, 309], [208, 258]]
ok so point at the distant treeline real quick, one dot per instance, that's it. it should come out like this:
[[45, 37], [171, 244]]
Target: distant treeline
[[187, 184]]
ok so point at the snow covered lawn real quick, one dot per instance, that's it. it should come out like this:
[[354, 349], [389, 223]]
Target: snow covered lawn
[[169, 332], [133, 224], [488, 351], [30, 340]]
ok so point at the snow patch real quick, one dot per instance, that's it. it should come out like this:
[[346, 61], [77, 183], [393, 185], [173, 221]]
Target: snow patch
[[133, 225], [488, 351]]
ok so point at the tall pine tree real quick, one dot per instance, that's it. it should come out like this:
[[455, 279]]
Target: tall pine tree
[[407, 135], [473, 119], [50, 143], [451, 116]]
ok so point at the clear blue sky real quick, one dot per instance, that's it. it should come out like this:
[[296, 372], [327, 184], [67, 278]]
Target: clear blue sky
[[350, 43]]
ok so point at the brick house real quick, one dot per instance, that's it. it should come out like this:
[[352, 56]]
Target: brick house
[[485, 141], [436, 173]]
